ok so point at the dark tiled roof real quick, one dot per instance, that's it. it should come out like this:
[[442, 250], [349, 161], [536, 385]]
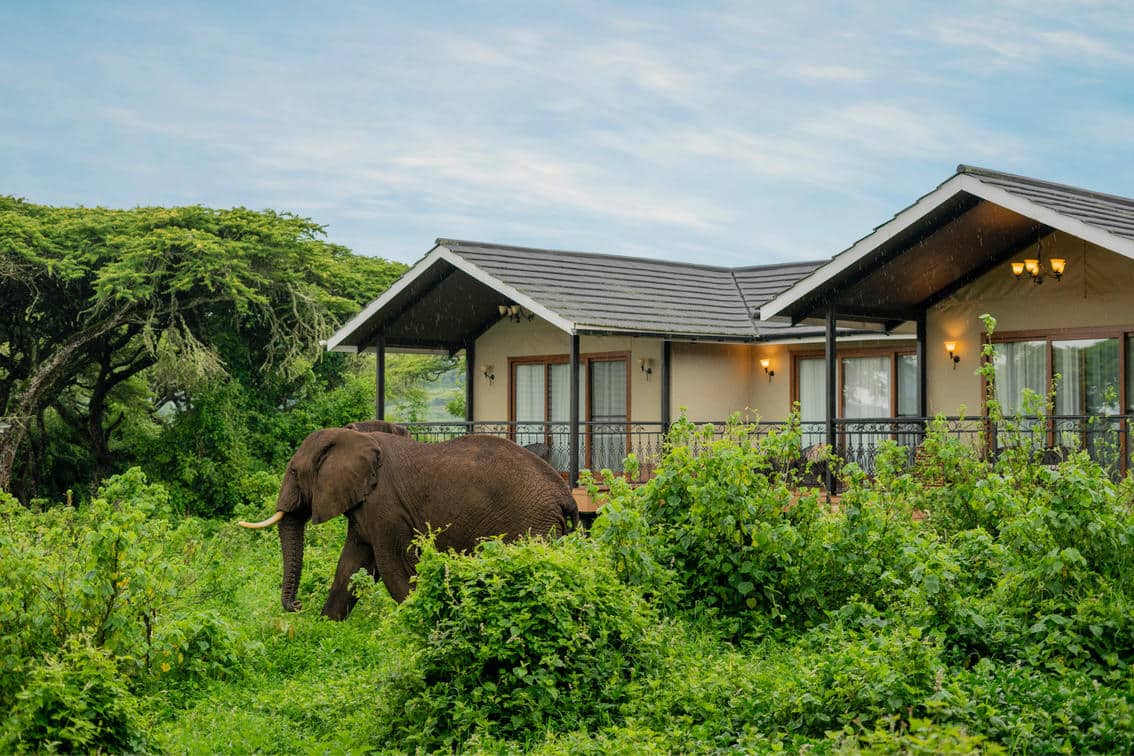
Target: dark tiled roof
[[639, 295], [1104, 211]]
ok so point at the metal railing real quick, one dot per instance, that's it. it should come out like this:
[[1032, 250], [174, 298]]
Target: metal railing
[[859, 440]]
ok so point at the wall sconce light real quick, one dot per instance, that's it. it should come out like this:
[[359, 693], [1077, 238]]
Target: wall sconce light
[[514, 312], [489, 373], [1033, 266], [951, 348], [646, 365], [764, 363]]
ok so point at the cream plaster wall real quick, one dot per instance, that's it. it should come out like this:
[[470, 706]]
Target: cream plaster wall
[[1095, 291], [711, 381], [771, 399], [538, 338]]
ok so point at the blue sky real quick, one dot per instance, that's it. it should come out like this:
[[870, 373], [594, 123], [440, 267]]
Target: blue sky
[[716, 132]]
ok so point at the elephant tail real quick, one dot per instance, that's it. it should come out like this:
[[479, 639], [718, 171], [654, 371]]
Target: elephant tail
[[571, 514]]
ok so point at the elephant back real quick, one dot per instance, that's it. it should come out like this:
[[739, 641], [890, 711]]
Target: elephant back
[[489, 485]]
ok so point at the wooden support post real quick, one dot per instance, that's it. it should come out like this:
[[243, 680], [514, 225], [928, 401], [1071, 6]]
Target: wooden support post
[[666, 364], [380, 376], [573, 435]]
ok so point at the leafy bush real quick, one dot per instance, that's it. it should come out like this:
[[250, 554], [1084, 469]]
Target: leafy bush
[[744, 547], [515, 639], [73, 701], [95, 606]]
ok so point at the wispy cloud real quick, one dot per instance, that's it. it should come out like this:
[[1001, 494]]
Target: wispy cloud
[[827, 73], [721, 131]]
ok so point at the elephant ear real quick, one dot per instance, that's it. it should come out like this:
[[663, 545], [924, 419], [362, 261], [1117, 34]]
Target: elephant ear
[[346, 471]]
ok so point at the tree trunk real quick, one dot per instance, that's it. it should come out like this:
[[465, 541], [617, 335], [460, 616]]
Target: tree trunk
[[43, 382]]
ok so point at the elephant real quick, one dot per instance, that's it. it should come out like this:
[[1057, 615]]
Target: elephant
[[392, 488]]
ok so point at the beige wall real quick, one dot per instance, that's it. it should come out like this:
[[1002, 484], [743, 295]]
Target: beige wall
[[711, 381], [771, 399], [538, 338], [1095, 291]]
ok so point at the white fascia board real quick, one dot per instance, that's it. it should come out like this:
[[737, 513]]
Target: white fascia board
[[1049, 217], [334, 344], [442, 254], [863, 247], [514, 294]]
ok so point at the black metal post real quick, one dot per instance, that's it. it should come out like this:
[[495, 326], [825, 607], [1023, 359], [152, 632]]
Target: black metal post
[[922, 371], [470, 376], [832, 388], [666, 363], [573, 434], [380, 376]]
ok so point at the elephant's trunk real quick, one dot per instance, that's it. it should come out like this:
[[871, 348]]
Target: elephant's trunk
[[291, 543]]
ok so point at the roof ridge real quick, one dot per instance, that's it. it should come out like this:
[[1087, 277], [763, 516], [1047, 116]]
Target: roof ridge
[[974, 170], [442, 241], [748, 268], [752, 314], [636, 258]]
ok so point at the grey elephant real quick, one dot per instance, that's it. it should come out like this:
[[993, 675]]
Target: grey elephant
[[392, 488]]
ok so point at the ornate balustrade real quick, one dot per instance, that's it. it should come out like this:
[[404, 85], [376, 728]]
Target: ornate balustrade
[[606, 444]]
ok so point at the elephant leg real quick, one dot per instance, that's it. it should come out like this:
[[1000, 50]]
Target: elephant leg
[[396, 564], [356, 555]]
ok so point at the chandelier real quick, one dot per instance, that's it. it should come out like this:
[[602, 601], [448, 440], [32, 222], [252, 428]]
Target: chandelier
[[1034, 266]]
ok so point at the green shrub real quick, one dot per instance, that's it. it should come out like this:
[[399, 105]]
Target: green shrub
[[73, 701], [118, 574], [515, 639], [1058, 710]]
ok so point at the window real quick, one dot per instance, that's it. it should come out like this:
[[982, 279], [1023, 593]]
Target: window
[[1090, 373], [871, 385], [1089, 370], [541, 407]]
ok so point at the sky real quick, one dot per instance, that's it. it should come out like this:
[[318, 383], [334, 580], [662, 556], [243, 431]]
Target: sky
[[723, 133]]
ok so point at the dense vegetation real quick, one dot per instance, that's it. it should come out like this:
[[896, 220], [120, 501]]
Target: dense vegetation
[[955, 606], [158, 367], [182, 340]]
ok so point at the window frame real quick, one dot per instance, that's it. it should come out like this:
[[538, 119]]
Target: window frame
[[585, 361], [1121, 333], [884, 351]]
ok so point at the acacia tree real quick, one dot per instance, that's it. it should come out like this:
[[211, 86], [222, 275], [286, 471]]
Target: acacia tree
[[90, 297]]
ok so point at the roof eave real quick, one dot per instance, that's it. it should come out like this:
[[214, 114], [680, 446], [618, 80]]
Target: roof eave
[[776, 307], [439, 253]]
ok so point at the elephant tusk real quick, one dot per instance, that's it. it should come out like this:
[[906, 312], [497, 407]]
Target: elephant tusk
[[270, 521]]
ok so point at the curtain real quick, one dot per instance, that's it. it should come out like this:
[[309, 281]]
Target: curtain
[[866, 394], [907, 385], [866, 387], [812, 400], [1019, 365], [1088, 370], [1088, 385], [608, 414], [529, 387]]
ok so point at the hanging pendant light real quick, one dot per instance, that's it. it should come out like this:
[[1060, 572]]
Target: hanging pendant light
[[1034, 266]]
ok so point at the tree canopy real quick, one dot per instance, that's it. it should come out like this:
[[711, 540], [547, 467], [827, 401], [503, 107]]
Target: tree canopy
[[100, 308]]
